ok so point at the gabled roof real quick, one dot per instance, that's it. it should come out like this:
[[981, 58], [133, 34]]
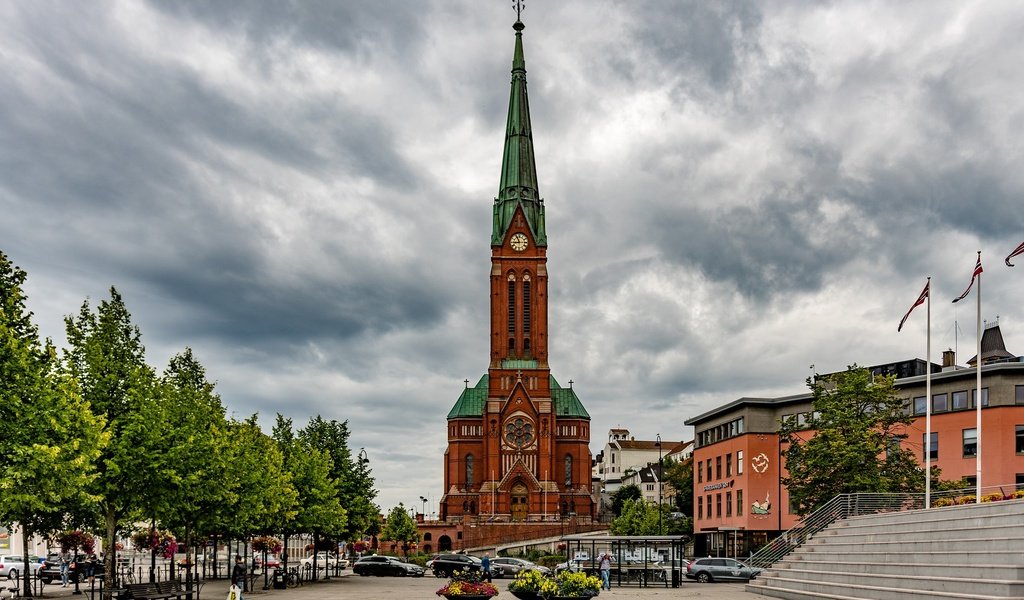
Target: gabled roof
[[472, 401]]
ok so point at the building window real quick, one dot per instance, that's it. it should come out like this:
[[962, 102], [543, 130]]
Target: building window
[[794, 506], [1020, 481], [568, 470], [707, 500], [700, 471], [960, 400], [739, 462], [700, 507], [1019, 394], [526, 304], [934, 445], [728, 465], [511, 304], [1020, 439], [940, 403], [707, 472], [718, 467], [718, 504], [920, 405], [728, 504], [739, 503], [984, 397], [970, 442], [469, 470]]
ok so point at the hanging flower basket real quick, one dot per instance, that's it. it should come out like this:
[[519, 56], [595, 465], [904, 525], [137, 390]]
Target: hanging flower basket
[[267, 543]]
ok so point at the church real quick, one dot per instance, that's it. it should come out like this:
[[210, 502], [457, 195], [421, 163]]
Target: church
[[518, 441]]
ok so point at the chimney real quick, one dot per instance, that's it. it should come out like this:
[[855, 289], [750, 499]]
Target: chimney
[[948, 359]]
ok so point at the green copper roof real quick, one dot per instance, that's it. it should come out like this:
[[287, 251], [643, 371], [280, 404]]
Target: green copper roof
[[473, 400], [567, 404], [518, 186], [518, 363]]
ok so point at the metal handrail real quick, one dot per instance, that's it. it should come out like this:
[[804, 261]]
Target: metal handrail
[[842, 506], [845, 506]]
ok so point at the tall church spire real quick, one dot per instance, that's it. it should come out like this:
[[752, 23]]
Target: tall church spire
[[518, 186]]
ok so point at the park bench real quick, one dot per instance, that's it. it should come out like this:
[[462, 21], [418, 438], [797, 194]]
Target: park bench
[[178, 588], [147, 591]]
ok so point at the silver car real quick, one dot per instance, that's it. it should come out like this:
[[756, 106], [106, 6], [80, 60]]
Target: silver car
[[511, 566], [706, 570], [11, 566]]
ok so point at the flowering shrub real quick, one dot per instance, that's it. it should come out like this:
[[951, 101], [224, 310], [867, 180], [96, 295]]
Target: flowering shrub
[[992, 498], [943, 502], [267, 543], [566, 584], [360, 546], [527, 581], [467, 583], [161, 541], [77, 539]]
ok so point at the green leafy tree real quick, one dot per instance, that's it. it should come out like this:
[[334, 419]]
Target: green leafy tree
[[852, 442], [638, 517], [49, 439], [355, 479], [400, 528], [621, 495], [107, 359], [680, 476], [260, 494]]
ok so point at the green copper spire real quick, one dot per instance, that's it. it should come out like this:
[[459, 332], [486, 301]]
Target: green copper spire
[[518, 186]]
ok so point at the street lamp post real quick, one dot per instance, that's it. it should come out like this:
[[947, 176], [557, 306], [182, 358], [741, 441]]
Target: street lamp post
[[423, 499], [657, 443]]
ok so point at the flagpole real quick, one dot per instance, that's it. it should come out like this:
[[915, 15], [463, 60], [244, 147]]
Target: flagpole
[[977, 456], [928, 407]]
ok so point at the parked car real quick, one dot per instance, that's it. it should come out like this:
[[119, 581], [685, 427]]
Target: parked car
[[325, 560], [386, 565], [11, 566], [443, 565], [273, 562], [706, 570], [512, 566]]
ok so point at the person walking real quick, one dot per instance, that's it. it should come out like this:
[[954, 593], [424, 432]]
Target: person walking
[[238, 575], [606, 571], [65, 561], [485, 563]]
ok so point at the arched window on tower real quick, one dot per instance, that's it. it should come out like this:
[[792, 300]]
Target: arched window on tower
[[512, 303], [469, 471], [568, 470], [526, 306]]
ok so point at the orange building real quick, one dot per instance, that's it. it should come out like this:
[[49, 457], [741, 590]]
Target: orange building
[[518, 442], [739, 501]]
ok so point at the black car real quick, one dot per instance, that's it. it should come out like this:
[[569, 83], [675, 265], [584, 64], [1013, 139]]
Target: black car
[[386, 565], [446, 564], [49, 572]]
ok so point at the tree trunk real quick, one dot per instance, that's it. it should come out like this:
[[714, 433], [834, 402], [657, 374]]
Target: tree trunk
[[26, 584], [110, 556]]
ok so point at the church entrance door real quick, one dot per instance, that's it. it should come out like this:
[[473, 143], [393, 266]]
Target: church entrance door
[[520, 502]]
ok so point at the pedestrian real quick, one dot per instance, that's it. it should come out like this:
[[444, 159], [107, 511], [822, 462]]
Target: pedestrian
[[606, 571], [65, 560], [90, 567], [238, 576], [485, 563]]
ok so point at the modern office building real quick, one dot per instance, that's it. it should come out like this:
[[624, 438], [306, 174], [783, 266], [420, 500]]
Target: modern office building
[[739, 501]]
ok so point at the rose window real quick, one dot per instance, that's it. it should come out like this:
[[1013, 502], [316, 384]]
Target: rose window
[[519, 432]]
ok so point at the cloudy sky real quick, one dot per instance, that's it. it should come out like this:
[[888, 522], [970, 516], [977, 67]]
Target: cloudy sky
[[301, 192]]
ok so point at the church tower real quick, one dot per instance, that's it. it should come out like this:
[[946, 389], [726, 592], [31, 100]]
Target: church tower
[[518, 442]]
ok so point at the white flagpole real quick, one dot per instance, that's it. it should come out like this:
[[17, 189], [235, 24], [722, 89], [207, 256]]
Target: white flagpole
[[928, 407], [977, 456]]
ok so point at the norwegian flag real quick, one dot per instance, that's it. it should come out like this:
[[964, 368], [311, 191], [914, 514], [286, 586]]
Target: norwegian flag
[[1018, 250], [977, 271], [920, 300]]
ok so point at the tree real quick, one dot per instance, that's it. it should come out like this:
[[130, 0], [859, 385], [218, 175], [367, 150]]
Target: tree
[[851, 443], [355, 480], [680, 476], [626, 492], [638, 517], [400, 528], [49, 439], [107, 360]]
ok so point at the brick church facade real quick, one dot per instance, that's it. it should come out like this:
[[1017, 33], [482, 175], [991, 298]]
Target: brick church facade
[[518, 441]]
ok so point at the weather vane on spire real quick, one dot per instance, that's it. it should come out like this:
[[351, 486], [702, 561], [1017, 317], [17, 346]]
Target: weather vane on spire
[[519, 5]]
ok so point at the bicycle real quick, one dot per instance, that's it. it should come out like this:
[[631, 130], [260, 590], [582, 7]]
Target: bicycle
[[292, 579]]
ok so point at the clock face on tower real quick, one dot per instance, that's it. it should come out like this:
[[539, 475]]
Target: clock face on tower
[[518, 242]]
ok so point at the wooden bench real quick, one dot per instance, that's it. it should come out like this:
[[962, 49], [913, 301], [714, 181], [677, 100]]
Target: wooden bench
[[179, 588], [147, 591]]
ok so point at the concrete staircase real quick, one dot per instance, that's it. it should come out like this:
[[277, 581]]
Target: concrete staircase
[[973, 551]]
